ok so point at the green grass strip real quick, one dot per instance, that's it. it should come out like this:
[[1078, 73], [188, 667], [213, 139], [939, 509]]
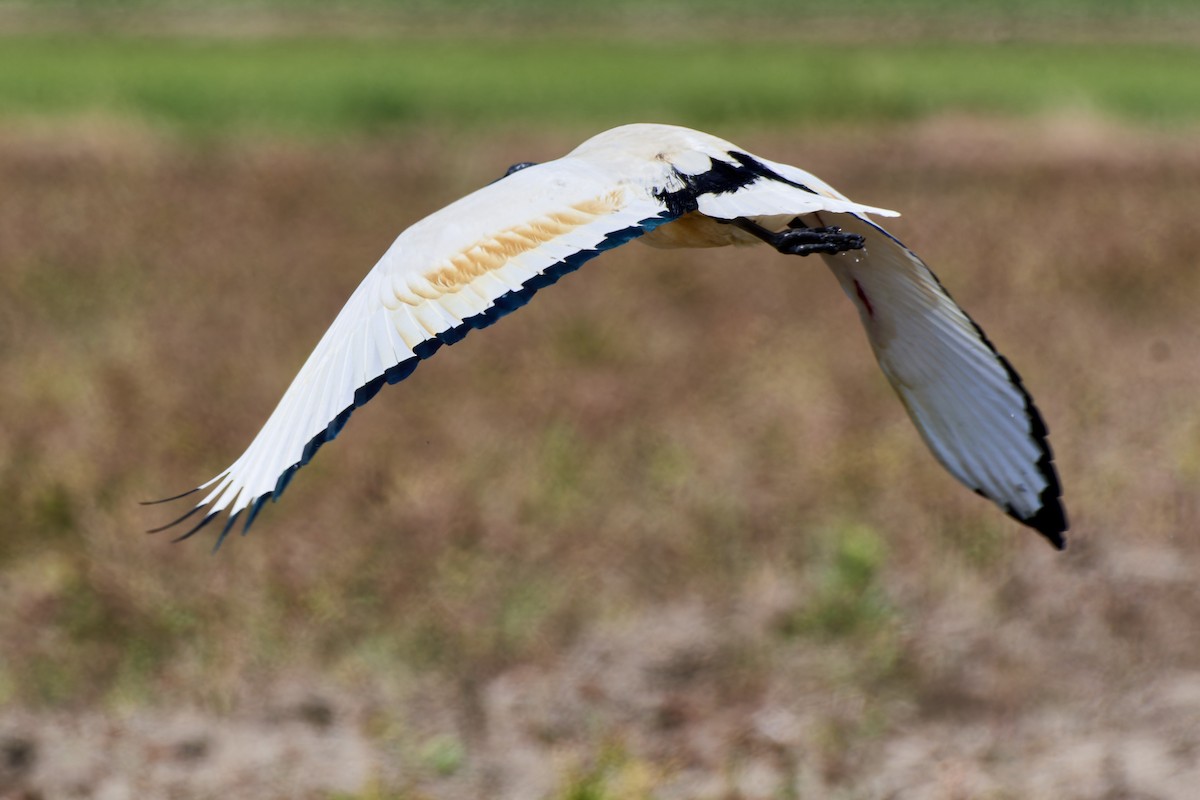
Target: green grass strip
[[319, 88]]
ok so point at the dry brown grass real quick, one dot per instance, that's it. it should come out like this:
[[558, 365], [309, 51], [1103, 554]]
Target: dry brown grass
[[665, 530]]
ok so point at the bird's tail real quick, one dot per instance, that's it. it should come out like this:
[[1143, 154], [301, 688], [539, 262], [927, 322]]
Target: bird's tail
[[964, 397]]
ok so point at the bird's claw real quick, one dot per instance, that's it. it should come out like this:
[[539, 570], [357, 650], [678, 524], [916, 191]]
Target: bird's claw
[[806, 241], [800, 240]]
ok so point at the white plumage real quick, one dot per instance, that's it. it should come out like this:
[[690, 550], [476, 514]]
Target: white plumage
[[481, 257]]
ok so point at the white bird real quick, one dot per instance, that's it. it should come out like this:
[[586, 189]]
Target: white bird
[[483, 256]]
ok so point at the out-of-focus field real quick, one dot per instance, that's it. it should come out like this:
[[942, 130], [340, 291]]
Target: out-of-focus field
[[664, 533], [326, 87]]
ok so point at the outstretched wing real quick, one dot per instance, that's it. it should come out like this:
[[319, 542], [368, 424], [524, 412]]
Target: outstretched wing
[[964, 397], [460, 269]]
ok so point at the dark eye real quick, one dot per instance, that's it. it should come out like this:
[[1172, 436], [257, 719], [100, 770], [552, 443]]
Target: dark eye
[[519, 167]]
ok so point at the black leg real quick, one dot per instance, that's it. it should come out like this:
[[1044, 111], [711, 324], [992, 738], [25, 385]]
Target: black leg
[[799, 240]]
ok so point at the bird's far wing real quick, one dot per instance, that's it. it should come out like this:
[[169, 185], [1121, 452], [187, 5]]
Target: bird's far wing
[[462, 268], [964, 397]]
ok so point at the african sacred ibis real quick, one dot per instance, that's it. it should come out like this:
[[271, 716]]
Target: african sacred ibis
[[481, 257]]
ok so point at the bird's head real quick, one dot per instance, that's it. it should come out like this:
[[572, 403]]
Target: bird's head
[[518, 168]]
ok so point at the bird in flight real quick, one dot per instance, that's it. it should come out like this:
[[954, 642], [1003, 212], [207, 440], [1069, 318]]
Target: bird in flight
[[486, 255]]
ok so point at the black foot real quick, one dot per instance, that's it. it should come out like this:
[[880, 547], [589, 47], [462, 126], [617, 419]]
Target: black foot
[[801, 241], [806, 241]]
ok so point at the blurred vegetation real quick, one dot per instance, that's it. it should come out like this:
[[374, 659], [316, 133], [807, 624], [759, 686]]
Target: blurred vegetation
[[848, 598], [725, 10], [330, 87], [613, 775]]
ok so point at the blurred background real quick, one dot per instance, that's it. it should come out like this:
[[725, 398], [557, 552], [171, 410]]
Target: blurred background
[[665, 533]]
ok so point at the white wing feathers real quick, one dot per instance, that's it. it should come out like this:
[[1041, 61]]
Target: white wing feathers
[[767, 198], [963, 396], [463, 267], [485, 255], [965, 399]]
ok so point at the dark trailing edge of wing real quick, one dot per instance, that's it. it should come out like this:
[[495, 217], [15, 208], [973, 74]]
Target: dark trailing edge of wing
[[1050, 520]]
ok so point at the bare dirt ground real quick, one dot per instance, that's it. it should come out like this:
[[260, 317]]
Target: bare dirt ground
[[664, 533]]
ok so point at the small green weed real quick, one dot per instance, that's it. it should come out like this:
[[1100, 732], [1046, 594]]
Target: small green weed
[[615, 775], [849, 600]]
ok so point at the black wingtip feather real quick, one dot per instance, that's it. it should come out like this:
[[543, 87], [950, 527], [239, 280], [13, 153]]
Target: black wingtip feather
[[1051, 519], [207, 519], [168, 499], [255, 507], [162, 528], [284, 480], [225, 531]]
